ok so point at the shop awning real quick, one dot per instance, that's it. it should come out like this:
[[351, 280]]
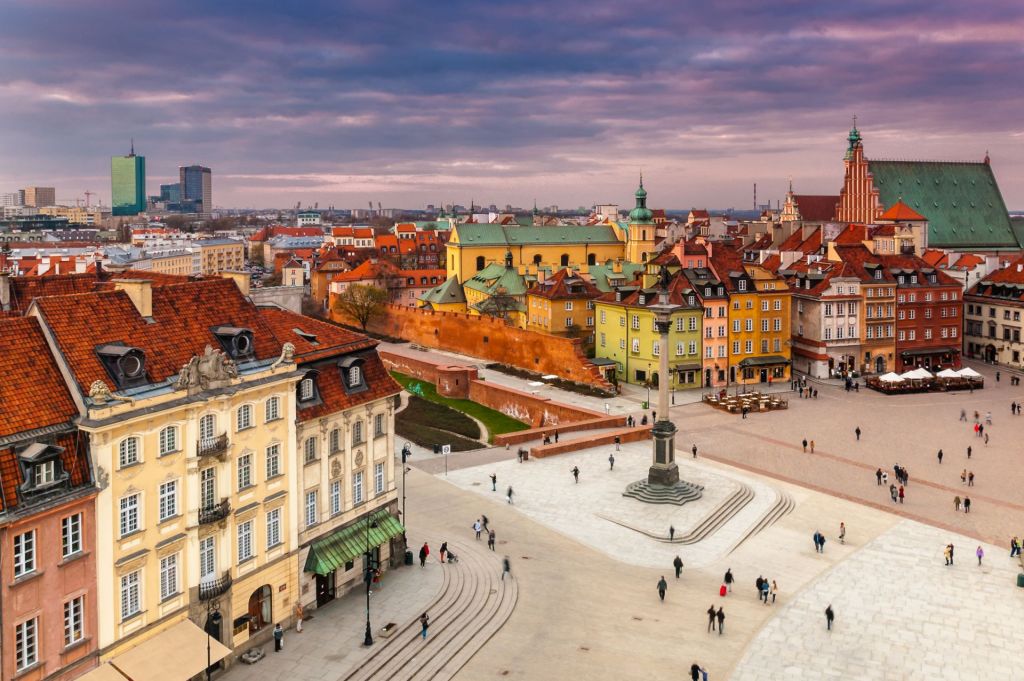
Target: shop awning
[[348, 543], [175, 654], [922, 352], [687, 367], [768, 360]]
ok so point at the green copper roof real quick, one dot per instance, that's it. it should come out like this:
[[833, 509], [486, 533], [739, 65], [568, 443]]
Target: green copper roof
[[474, 234], [448, 292], [499, 277], [641, 213], [600, 274], [348, 543], [961, 201]]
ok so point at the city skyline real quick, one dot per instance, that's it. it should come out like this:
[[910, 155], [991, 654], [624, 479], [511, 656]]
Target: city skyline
[[505, 103]]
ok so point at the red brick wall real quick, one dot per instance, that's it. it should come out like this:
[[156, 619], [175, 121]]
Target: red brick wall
[[490, 339], [563, 428], [421, 369], [576, 444], [536, 411]]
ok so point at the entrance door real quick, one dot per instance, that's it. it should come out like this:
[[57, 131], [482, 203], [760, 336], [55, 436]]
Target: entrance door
[[879, 365], [324, 589], [764, 375], [707, 378]]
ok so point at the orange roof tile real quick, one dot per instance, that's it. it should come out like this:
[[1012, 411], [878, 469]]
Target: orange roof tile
[[901, 212], [32, 393]]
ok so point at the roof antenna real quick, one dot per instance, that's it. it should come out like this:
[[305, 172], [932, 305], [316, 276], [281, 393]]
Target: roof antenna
[[133, 147]]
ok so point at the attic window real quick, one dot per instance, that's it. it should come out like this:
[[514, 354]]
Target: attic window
[[878, 274], [308, 337], [352, 374], [643, 299], [307, 391], [236, 341], [41, 466], [125, 364], [742, 284]]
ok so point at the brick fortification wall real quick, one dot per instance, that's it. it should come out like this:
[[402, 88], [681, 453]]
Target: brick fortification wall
[[488, 338]]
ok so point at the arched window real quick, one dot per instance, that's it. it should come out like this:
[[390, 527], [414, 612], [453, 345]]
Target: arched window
[[261, 608], [272, 410], [565, 260], [244, 417], [591, 258], [537, 258], [168, 440], [306, 389], [128, 452], [480, 263]]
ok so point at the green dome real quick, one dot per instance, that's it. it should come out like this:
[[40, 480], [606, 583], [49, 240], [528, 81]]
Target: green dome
[[641, 213]]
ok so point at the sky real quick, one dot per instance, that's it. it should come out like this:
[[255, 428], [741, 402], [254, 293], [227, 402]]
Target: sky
[[504, 101]]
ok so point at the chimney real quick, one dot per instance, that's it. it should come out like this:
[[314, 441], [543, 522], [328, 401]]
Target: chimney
[[241, 279], [141, 293], [5, 290]]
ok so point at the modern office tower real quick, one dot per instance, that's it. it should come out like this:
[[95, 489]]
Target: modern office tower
[[40, 196], [170, 193], [128, 184], [13, 199], [197, 187]]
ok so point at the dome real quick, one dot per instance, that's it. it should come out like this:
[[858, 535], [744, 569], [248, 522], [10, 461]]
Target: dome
[[641, 213]]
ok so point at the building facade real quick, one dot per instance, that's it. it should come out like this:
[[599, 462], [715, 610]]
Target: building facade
[[128, 184], [992, 322], [196, 184]]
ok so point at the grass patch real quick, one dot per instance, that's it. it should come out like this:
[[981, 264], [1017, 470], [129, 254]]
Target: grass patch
[[496, 422], [425, 436], [434, 415]]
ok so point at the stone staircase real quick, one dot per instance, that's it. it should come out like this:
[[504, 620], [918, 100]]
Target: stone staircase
[[678, 494], [784, 505], [472, 605], [711, 524]]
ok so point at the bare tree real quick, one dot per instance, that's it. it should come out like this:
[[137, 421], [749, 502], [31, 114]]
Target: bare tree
[[361, 303]]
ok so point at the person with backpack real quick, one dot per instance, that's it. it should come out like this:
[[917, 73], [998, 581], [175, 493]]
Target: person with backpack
[[662, 588]]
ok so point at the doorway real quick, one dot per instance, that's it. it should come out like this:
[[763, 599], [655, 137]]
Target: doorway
[[764, 375], [879, 365], [260, 608], [324, 589]]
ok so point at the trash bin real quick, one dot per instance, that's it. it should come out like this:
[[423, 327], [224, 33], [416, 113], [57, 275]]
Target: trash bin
[[526, 454], [645, 405], [408, 557], [437, 449], [1020, 580]]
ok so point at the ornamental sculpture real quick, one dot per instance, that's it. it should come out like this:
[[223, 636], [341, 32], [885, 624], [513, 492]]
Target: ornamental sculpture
[[99, 393], [212, 369], [287, 355]]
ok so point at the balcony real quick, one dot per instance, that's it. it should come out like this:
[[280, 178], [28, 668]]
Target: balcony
[[213, 446], [210, 589], [215, 513]]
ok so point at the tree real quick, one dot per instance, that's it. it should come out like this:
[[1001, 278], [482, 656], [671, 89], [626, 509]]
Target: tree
[[361, 303]]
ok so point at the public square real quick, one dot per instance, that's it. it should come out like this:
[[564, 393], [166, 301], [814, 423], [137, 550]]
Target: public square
[[586, 560]]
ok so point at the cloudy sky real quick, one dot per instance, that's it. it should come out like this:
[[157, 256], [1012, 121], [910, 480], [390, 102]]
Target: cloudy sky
[[416, 102]]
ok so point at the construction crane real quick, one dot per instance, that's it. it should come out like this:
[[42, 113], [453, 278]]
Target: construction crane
[[371, 209], [88, 197], [380, 209]]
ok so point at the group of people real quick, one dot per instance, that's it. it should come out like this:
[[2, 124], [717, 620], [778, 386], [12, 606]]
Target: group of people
[[764, 589], [479, 527], [965, 504]]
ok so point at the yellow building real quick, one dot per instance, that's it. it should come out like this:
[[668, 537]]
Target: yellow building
[[76, 215], [173, 262], [446, 297], [563, 305], [498, 291], [217, 255]]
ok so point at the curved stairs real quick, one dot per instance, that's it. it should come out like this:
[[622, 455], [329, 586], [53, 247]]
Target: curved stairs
[[472, 605]]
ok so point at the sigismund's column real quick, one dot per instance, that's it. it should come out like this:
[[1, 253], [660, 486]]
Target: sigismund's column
[[663, 470]]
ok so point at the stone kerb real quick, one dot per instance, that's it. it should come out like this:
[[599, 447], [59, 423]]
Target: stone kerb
[[576, 444], [571, 427]]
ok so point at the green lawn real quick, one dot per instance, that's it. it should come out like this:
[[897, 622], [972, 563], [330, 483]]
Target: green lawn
[[496, 422], [425, 436], [439, 416]]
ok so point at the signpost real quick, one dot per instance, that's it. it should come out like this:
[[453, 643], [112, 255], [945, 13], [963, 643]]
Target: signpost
[[446, 450]]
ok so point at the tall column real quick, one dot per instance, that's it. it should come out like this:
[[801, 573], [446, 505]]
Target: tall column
[[663, 470]]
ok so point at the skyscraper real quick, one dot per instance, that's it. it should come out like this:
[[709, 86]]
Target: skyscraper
[[128, 184], [40, 196], [197, 187]]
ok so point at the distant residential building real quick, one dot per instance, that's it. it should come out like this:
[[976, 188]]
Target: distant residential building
[[39, 196], [217, 255], [308, 218], [76, 215], [404, 287], [197, 187], [562, 305], [12, 199], [992, 323], [128, 184]]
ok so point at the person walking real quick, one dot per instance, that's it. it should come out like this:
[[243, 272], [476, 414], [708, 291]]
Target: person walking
[[986, 439], [894, 493], [951, 551], [278, 638], [857, 432], [968, 451], [484, 521], [662, 587], [901, 494], [757, 585], [728, 579], [720, 616], [956, 503], [775, 591], [618, 442], [576, 474], [980, 553], [805, 445], [490, 540], [970, 479], [885, 478], [477, 528], [556, 437], [678, 565], [508, 495], [963, 477], [695, 672], [424, 624], [940, 457], [671, 533], [812, 446], [442, 552], [1014, 546], [494, 482], [711, 618], [694, 450], [611, 462], [765, 588], [842, 533], [830, 615], [506, 568], [878, 476], [947, 554], [967, 504], [424, 552], [963, 414]]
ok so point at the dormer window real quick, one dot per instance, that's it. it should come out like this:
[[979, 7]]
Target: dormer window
[[707, 291], [913, 278], [236, 341], [308, 337], [41, 467], [878, 274], [307, 389], [43, 473], [125, 365], [352, 374], [742, 283], [643, 299]]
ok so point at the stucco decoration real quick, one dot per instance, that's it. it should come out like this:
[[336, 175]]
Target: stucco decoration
[[287, 356], [212, 369], [99, 393]]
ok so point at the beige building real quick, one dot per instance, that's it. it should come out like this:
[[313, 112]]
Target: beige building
[[40, 196], [76, 215], [218, 255]]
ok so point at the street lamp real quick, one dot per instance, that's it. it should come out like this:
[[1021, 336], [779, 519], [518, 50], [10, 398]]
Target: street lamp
[[370, 523], [406, 453], [212, 618]]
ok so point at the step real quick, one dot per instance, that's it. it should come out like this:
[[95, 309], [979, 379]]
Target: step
[[783, 506]]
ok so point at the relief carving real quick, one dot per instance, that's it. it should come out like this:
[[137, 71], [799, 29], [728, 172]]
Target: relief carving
[[212, 369]]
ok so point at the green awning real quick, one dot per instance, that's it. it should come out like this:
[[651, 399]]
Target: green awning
[[763, 361], [333, 551]]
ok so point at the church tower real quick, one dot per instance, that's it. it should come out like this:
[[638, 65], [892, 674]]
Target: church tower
[[640, 235]]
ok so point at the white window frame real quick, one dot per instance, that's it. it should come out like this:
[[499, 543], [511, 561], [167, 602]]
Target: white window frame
[[378, 478], [207, 558], [357, 487], [128, 452], [273, 528], [306, 391], [168, 576], [71, 535], [244, 541], [309, 449], [131, 594], [128, 514], [245, 478], [24, 553], [26, 644], [273, 461], [74, 621], [168, 440], [312, 510], [244, 417], [272, 409], [335, 495], [168, 501]]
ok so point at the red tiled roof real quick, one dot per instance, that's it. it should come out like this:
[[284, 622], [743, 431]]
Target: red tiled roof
[[556, 287], [792, 242], [772, 263], [968, 261], [935, 258], [74, 460], [32, 392], [24, 289], [330, 339], [334, 398], [816, 207], [699, 213], [852, 234], [901, 212]]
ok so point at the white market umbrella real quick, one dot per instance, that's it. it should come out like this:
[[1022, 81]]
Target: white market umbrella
[[921, 373], [948, 373], [890, 377], [968, 372]]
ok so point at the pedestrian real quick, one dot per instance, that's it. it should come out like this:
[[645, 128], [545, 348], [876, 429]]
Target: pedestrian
[[821, 542], [986, 439], [970, 479], [857, 432], [956, 503], [490, 540], [556, 436], [442, 552], [484, 521], [997, 377], [618, 442], [300, 614], [940, 457], [829, 616], [278, 638], [963, 477], [775, 591], [765, 588], [842, 533], [878, 476], [980, 553], [662, 587], [901, 494], [720, 616], [678, 565], [696, 671], [671, 533], [967, 504], [963, 414], [576, 474], [711, 618], [494, 482], [519, 454], [477, 528], [757, 584], [743, 412], [948, 555], [968, 451], [654, 416], [611, 462], [728, 579], [815, 393], [424, 552], [424, 624], [508, 495], [1014, 546], [951, 550], [506, 568], [981, 430], [805, 445], [885, 478], [695, 450], [894, 493], [988, 418]]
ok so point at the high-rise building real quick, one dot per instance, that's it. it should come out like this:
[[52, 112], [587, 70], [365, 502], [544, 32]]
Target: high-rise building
[[171, 193], [40, 196], [197, 187], [128, 184], [13, 199]]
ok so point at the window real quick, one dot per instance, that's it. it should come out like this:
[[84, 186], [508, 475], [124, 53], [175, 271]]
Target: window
[[839, 333], [635, 322], [603, 316], [708, 352], [311, 510], [622, 320], [128, 452], [636, 345], [603, 339], [357, 487], [722, 351], [693, 324], [828, 309], [309, 450], [129, 514], [735, 347], [777, 345], [71, 535], [336, 497], [306, 389], [764, 305], [750, 324], [74, 621], [952, 332], [355, 376], [828, 333], [679, 348], [26, 651], [273, 461], [735, 326], [378, 425], [168, 440], [742, 285], [927, 334], [692, 348], [945, 332], [168, 576], [912, 335], [273, 528], [272, 409], [244, 471], [207, 558], [245, 541], [748, 347], [43, 473], [568, 305], [244, 417], [680, 322], [777, 326], [130, 596], [777, 305], [656, 348], [622, 344], [707, 332], [764, 346], [378, 478], [357, 432], [764, 325], [168, 500], [24, 553], [568, 322]]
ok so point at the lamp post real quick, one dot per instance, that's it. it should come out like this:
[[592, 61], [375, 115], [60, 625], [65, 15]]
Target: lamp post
[[212, 609], [370, 523], [406, 453]]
